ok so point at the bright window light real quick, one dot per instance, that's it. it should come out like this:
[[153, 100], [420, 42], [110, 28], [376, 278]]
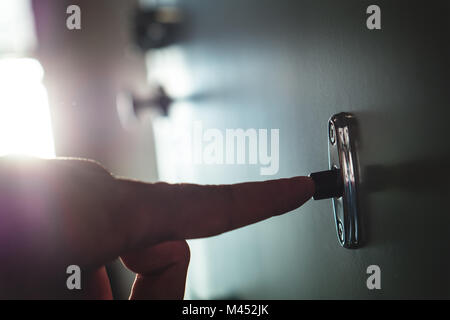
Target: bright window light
[[17, 33], [25, 125]]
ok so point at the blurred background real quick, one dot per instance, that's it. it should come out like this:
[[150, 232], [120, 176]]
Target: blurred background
[[126, 89]]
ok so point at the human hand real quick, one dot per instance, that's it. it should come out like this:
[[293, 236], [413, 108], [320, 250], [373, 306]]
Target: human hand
[[59, 212]]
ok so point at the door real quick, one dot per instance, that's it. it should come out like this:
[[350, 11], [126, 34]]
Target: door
[[290, 65]]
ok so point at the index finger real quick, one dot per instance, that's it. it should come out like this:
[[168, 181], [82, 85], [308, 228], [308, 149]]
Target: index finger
[[152, 213]]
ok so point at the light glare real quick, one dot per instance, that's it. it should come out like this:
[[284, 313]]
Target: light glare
[[25, 124]]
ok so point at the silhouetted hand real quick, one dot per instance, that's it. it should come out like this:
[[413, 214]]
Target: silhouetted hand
[[60, 212]]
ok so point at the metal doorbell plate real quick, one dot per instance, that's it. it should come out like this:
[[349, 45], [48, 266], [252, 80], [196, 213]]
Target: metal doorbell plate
[[342, 135]]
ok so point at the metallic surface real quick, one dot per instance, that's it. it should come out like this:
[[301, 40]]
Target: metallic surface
[[342, 155]]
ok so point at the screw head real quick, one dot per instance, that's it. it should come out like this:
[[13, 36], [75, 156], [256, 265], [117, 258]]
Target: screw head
[[331, 133], [340, 232]]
